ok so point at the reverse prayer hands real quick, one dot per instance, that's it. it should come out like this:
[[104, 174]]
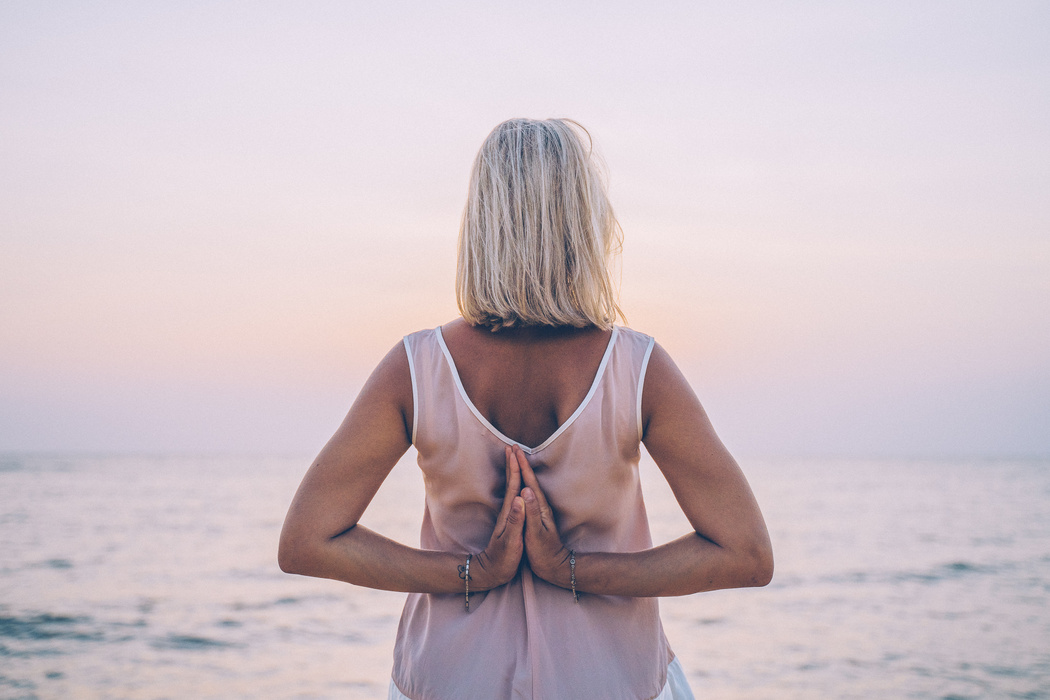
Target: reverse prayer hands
[[547, 556], [525, 528]]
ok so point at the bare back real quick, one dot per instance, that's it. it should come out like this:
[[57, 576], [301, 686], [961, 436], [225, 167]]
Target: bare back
[[526, 381]]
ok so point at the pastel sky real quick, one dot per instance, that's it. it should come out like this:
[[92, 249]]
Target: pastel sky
[[216, 217]]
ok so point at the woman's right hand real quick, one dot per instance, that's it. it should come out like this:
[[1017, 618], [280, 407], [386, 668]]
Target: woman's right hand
[[498, 563]]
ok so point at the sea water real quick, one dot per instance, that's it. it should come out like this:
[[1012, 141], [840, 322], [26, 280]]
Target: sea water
[[156, 577]]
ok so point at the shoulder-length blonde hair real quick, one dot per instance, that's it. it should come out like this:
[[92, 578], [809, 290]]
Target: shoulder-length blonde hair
[[538, 231]]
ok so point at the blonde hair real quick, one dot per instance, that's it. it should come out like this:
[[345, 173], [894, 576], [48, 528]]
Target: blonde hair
[[538, 231]]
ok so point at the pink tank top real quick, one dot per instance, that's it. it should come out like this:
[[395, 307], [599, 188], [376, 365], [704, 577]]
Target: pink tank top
[[528, 639]]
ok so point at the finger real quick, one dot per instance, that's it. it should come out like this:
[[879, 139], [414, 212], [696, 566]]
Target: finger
[[514, 472], [515, 519], [515, 525], [537, 518], [527, 474], [533, 519], [529, 477], [513, 488]]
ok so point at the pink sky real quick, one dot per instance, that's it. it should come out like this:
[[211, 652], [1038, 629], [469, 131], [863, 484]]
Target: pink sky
[[214, 221]]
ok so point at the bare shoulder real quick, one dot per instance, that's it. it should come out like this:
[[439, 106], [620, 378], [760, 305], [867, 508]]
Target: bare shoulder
[[675, 426], [666, 393], [386, 395], [392, 375], [391, 381]]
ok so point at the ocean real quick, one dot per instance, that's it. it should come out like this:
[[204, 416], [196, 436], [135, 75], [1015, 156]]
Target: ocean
[[156, 577]]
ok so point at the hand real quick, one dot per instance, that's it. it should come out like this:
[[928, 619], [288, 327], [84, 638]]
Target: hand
[[544, 550], [499, 561]]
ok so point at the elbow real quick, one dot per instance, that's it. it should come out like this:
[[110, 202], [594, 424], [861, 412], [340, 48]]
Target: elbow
[[305, 552], [290, 555], [286, 558], [760, 571]]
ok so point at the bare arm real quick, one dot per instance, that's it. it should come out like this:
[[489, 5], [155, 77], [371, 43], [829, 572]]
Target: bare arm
[[321, 536], [729, 547]]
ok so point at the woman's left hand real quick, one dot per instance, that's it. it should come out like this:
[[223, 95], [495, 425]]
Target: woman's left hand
[[548, 558], [499, 561]]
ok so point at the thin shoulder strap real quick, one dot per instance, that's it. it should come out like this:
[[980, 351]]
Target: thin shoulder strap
[[415, 389], [641, 383]]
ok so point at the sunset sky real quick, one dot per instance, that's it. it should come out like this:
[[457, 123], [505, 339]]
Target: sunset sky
[[215, 218]]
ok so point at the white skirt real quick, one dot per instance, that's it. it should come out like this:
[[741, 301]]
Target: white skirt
[[676, 687]]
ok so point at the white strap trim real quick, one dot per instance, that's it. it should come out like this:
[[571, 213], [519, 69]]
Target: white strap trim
[[415, 390], [641, 382]]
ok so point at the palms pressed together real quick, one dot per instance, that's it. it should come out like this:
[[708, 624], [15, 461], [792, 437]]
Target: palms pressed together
[[524, 528]]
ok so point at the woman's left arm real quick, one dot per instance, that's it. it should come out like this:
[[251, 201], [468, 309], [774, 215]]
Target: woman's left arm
[[729, 547], [321, 535]]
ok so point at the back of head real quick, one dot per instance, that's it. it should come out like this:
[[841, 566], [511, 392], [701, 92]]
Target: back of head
[[537, 231]]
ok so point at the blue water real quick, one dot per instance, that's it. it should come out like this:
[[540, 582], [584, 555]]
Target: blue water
[[135, 577]]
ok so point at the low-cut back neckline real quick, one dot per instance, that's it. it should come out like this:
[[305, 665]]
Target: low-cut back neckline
[[560, 429]]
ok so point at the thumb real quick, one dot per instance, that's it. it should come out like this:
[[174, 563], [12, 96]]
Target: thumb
[[533, 514], [516, 516]]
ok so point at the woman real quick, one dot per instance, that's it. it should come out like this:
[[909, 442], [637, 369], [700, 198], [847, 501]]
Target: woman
[[537, 577]]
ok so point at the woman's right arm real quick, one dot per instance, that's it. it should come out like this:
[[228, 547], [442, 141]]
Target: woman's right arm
[[729, 546], [321, 536]]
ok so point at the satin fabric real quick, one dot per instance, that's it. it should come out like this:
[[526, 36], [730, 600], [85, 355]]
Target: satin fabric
[[528, 639]]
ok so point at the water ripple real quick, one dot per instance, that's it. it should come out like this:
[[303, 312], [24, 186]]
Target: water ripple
[[190, 642], [47, 626]]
